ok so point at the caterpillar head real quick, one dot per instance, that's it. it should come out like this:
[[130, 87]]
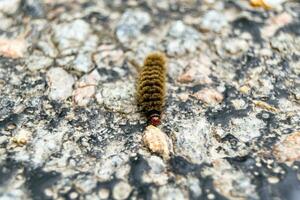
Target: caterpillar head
[[154, 119]]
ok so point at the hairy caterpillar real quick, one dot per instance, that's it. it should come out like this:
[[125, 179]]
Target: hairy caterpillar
[[151, 87]]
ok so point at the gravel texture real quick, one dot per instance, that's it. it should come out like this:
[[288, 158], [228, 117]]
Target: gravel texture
[[70, 127]]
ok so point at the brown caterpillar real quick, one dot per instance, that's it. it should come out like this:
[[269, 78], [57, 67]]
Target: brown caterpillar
[[152, 86]]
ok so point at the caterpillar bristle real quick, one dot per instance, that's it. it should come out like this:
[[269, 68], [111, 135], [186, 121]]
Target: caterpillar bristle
[[151, 86], [155, 59]]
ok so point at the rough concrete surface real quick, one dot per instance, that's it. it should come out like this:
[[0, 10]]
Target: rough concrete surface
[[70, 127]]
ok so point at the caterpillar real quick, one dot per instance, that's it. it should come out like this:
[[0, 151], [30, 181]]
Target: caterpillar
[[152, 86]]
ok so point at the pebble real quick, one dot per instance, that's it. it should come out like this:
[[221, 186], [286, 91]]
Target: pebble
[[170, 193], [211, 196], [118, 96], [47, 47], [121, 190], [181, 39], [288, 150], [197, 72], [238, 103], [157, 173], [194, 186], [109, 56], [130, 25], [231, 182], [73, 195], [183, 96], [85, 88], [43, 145], [235, 46], [83, 62], [273, 179], [37, 62], [245, 89], [103, 193], [6, 22], [22, 137], [246, 128], [9, 6], [65, 61], [213, 21], [209, 96], [284, 43], [267, 4], [70, 36], [191, 139], [60, 84], [157, 141], [265, 106], [13, 48], [11, 126]]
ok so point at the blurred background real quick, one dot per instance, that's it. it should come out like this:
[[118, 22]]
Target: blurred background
[[70, 127]]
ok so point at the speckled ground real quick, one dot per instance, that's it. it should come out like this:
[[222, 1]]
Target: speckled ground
[[70, 127]]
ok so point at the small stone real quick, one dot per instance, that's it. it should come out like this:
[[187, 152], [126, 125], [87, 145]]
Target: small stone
[[11, 126], [231, 182], [121, 190], [6, 22], [130, 25], [70, 36], [170, 193], [60, 83], [48, 192], [238, 103], [22, 137], [266, 52], [9, 6], [183, 96], [103, 193], [288, 150], [48, 48], [265, 106], [73, 195], [157, 141], [118, 96], [109, 56], [83, 62], [65, 61], [273, 179], [267, 4], [37, 61], [246, 128], [13, 48], [85, 88], [235, 46], [191, 139], [194, 186], [209, 96], [85, 184], [210, 196], [197, 72], [157, 174], [258, 3], [181, 39], [245, 89], [213, 21]]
